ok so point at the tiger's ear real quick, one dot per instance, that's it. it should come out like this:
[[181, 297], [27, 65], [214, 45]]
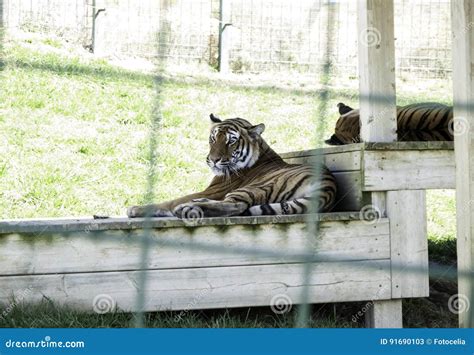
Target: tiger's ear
[[343, 109], [256, 131], [214, 118]]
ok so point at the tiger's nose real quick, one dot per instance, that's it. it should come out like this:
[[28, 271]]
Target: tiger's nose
[[217, 161], [214, 161]]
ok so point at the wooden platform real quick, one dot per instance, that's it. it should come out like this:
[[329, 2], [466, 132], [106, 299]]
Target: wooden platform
[[237, 261], [367, 167], [243, 261]]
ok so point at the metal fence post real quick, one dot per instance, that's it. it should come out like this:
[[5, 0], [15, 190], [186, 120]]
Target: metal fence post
[[95, 13], [224, 35]]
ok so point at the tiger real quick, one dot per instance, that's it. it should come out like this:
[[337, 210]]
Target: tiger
[[416, 122], [250, 179]]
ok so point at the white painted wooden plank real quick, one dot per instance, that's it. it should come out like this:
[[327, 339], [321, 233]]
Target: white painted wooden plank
[[60, 225], [433, 145], [384, 314], [442, 145], [325, 150], [463, 77], [377, 71], [408, 170], [347, 161], [409, 243], [201, 288], [378, 113], [114, 250]]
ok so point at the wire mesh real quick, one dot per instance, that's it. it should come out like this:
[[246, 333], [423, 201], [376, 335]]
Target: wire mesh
[[267, 35]]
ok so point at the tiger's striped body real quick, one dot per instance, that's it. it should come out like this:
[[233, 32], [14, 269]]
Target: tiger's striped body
[[416, 122], [250, 179]]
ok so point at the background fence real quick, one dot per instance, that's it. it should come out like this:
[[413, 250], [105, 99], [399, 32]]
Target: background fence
[[266, 35]]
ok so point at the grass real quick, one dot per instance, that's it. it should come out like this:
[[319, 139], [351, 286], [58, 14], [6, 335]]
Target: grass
[[77, 131], [49, 315], [75, 135], [416, 313]]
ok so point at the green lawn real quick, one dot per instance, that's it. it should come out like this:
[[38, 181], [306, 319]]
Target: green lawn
[[75, 136], [416, 313]]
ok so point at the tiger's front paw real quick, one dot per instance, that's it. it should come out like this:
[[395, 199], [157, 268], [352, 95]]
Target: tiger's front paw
[[203, 200], [147, 211], [190, 213], [133, 212]]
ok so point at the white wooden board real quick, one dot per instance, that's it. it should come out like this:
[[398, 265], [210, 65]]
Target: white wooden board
[[116, 250], [409, 243], [200, 288], [408, 170], [462, 14], [346, 161]]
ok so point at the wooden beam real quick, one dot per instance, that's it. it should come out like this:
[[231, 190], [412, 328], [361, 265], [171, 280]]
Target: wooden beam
[[378, 110], [463, 79], [384, 314], [386, 170], [408, 243], [206, 287], [377, 71], [39, 227], [120, 250]]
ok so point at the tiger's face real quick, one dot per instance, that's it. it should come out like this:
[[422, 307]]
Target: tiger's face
[[234, 145]]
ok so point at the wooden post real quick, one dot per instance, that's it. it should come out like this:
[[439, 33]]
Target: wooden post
[[462, 12], [378, 111], [406, 210], [224, 35], [377, 71], [384, 314]]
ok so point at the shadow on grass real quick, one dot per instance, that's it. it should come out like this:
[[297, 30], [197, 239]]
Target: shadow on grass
[[66, 67], [430, 312], [48, 315], [78, 69], [104, 72]]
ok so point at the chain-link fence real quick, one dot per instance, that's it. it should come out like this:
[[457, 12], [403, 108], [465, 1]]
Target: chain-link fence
[[275, 35]]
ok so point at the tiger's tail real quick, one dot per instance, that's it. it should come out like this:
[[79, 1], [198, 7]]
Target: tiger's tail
[[295, 206]]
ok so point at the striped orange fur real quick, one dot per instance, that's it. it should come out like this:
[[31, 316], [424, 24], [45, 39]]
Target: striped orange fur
[[250, 179], [416, 122]]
